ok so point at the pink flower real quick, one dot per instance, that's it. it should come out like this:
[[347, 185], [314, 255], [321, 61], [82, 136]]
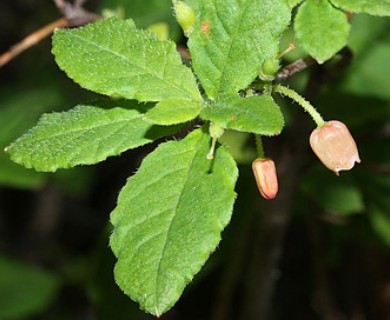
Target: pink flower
[[264, 171], [334, 146]]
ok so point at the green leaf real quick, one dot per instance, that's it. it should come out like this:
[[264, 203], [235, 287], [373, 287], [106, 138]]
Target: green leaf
[[340, 195], [169, 219], [366, 32], [86, 134], [240, 146], [112, 57], [380, 220], [194, 4], [228, 34], [375, 7], [145, 15], [321, 29], [24, 290], [369, 75], [256, 114], [377, 190], [20, 109], [173, 111], [294, 3]]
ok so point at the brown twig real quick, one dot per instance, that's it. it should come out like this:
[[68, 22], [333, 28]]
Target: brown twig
[[74, 15], [302, 64], [60, 4], [31, 40], [293, 68]]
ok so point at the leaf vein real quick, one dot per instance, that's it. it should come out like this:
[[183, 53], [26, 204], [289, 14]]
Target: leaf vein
[[129, 62]]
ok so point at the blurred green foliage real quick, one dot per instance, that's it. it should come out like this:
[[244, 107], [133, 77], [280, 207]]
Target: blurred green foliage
[[24, 289]]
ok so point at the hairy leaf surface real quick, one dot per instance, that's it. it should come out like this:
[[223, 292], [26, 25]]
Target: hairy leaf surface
[[321, 29], [169, 219], [173, 111], [294, 3], [112, 57], [256, 114], [375, 7], [86, 134], [231, 40]]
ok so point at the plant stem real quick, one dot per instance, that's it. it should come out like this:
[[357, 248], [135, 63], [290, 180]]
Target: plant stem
[[32, 39], [290, 47], [210, 155], [293, 68], [301, 101], [259, 146]]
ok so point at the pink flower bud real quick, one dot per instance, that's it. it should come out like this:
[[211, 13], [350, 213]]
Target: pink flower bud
[[266, 178], [334, 146]]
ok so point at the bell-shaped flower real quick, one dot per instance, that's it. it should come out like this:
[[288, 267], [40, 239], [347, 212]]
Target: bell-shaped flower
[[264, 171], [334, 146]]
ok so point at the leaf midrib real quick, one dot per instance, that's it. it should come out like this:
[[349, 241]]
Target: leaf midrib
[[196, 150], [88, 129], [240, 17], [145, 70]]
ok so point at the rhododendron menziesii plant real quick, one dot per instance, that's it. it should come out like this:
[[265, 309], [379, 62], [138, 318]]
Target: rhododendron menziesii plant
[[172, 211]]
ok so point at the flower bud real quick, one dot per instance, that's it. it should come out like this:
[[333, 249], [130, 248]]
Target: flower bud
[[334, 146], [269, 69], [264, 171], [185, 16]]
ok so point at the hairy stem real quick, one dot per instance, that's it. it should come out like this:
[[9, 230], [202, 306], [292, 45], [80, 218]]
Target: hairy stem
[[302, 102], [259, 146]]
